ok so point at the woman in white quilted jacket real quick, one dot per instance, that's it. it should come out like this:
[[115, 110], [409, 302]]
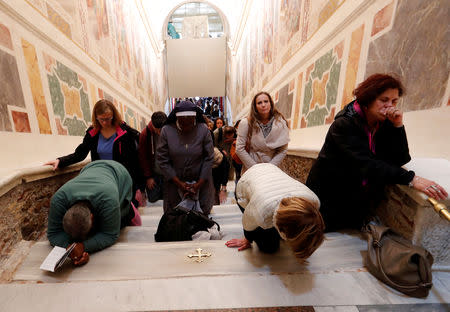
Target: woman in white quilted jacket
[[275, 207]]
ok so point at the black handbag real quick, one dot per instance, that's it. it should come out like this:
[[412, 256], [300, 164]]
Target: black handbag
[[180, 224], [397, 262]]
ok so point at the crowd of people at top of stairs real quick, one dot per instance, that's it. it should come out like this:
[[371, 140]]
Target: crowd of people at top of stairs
[[186, 154]]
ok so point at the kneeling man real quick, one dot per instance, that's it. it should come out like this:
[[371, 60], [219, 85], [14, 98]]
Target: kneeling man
[[90, 209]]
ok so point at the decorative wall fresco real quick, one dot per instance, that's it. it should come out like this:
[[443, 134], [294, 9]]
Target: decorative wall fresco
[[420, 57], [69, 97], [382, 19], [322, 82], [37, 90], [11, 90], [297, 101], [56, 19]]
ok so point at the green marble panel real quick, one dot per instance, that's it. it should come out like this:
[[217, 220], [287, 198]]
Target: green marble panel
[[322, 65], [307, 97], [317, 116], [56, 96], [84, 102], [67, 75], [75, 126], [333, 84]]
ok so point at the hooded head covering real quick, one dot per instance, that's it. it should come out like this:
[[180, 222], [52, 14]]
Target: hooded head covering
[[185, 108]]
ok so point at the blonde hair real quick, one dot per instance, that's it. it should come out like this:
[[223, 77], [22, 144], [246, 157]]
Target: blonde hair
[[101, 107], [302, 225]]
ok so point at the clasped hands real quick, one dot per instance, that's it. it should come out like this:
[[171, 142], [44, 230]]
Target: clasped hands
[[188, 189], [78, 255]]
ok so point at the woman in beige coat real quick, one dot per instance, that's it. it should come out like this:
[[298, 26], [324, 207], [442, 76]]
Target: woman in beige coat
[[264, 135]]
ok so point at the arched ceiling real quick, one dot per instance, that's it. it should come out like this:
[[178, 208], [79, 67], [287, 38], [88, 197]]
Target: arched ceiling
[[157, 13]]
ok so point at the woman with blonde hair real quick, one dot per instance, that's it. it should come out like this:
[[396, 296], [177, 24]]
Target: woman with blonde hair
[[264, 135], [109, 137], [275, 207]]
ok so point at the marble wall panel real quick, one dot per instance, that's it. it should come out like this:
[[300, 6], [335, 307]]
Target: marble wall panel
[[322, 83], [382, 19], [21, 122], [5, 37], [352, 65], [417, 53], [69, 97], [297, 167], [11, 90], [298, 101], [37, 89], [284, 104]]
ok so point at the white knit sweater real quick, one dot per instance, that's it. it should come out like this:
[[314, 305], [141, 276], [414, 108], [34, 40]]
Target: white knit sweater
[[260, 191]]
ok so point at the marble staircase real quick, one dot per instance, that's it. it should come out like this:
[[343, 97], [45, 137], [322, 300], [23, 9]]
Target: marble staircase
[[138, 274]]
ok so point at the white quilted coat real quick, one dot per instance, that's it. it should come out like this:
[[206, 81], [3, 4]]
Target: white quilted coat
[[260, 191]]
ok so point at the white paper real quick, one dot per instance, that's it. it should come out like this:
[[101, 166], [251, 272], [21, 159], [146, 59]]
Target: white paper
[[56, 258]]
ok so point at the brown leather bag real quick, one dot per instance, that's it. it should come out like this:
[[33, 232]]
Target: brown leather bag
[[397, 262]]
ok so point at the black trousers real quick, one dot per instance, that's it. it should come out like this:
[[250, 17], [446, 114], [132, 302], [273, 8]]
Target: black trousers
[[267, 240]]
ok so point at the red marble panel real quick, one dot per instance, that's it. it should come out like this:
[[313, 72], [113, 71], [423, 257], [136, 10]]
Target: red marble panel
[[21, 122], [330, 118], [5, 37], [382, 19], [60, 127]]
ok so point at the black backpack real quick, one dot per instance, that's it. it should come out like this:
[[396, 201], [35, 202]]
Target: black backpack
[[180, 224]]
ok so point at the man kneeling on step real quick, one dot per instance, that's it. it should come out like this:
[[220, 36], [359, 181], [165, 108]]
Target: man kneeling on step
[[91, 209]]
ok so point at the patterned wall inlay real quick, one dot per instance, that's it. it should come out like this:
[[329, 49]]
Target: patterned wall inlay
[[37, 90], [352, 65], [321, 89], [5, 37], [382, 19], [11, 90], [21, 122], [420, 57], [69, 97]]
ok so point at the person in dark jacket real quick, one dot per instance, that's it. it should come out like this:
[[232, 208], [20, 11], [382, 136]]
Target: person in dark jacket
[[185, 156], [148, 141], [91, 209], [109, 137], [364, 150]]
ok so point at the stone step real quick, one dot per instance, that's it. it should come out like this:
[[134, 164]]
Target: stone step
[[127, 261]]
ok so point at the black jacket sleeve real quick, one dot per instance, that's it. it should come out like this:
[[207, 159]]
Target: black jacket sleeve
[[352, 141], [80, 152]]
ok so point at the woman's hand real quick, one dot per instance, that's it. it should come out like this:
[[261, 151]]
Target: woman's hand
[[241, 243], [193, 188], [430, 188], [53, 163], [395, 115]]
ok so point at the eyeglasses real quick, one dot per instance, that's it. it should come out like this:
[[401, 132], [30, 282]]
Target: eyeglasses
[[105, 119]]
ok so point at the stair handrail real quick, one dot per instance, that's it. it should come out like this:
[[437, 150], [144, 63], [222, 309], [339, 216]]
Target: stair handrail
[[440, 208]]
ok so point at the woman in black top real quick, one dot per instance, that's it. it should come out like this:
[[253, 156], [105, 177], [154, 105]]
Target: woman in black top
[[364, 150]]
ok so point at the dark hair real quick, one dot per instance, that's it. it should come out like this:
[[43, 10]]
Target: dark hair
[[237, 124], [158, 119], [101, 107], [215, 122], [254, 115], [368, 90], [228, 130], [77, 221]]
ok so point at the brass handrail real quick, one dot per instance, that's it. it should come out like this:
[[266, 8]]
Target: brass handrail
[[440, 209]]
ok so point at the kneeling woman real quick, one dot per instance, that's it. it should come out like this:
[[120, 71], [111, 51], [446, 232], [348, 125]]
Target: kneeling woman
[[277, 206]]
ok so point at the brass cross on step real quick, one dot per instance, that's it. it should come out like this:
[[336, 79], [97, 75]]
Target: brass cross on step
[[200, 255]]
